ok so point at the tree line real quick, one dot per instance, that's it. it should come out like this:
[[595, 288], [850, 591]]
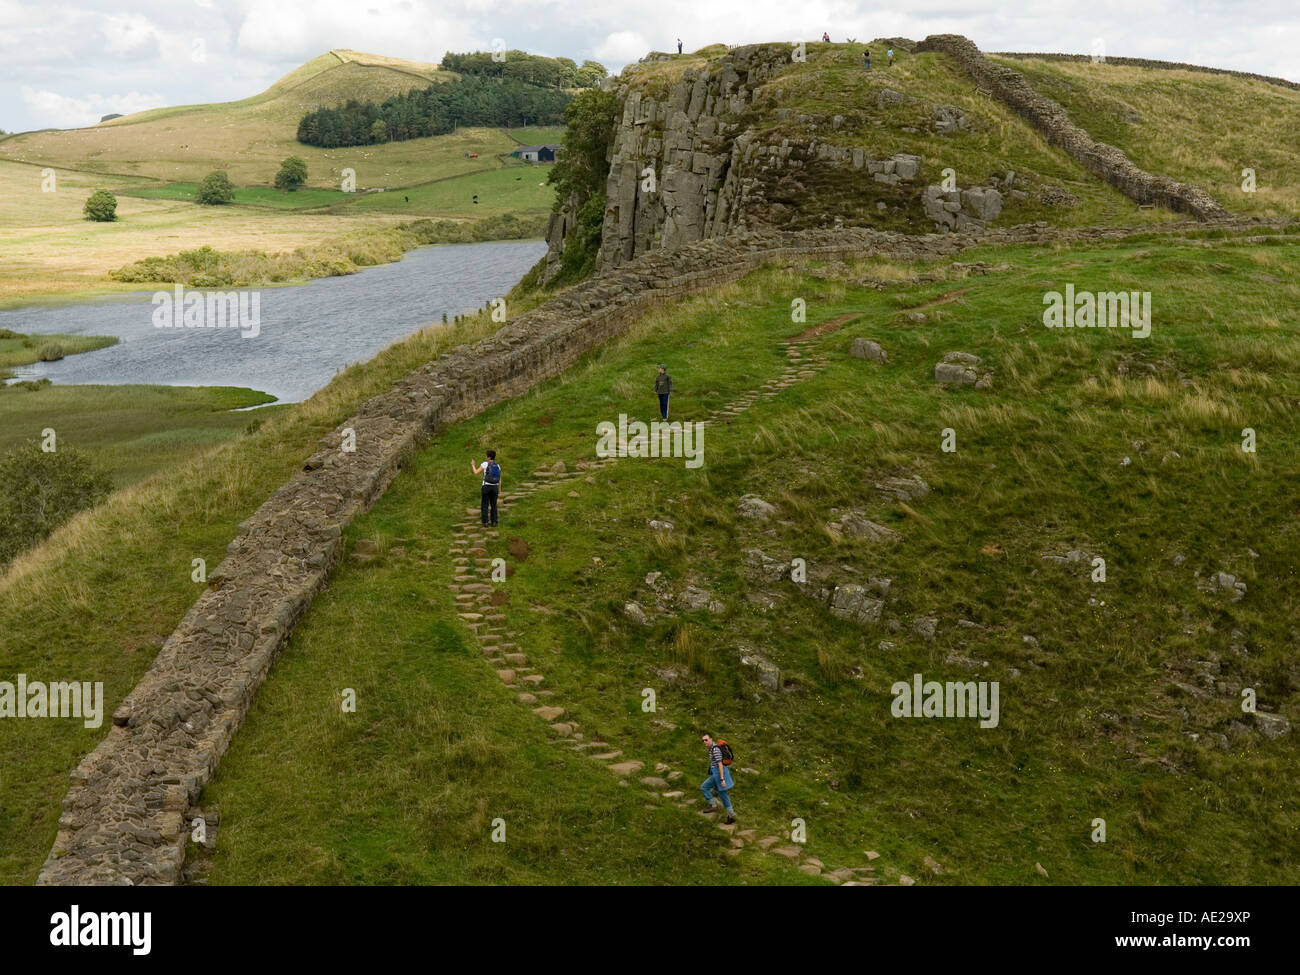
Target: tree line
[[435, 110], [531, 68]]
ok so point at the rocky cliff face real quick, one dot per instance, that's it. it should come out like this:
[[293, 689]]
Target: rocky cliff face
[[704, 161]]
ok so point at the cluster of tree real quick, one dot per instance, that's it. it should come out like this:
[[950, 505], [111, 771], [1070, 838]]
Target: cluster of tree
[[532, 68], [435, 110], [101, 206], [579, 178], [217, 189], [39, 491]]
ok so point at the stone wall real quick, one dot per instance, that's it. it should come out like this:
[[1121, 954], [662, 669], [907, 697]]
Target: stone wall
[[1161, 65], [1054, 123], [125, 817]]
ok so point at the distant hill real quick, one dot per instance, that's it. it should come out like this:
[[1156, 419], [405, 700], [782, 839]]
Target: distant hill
[[249, 136]]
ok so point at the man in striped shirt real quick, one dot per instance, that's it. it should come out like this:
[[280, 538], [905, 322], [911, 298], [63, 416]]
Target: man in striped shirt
[[719, 780]]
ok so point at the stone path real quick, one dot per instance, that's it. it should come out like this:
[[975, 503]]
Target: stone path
[[473, 593]]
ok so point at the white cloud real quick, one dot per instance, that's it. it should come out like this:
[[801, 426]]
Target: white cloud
[[622, 46], [126, 32], [68, 113]]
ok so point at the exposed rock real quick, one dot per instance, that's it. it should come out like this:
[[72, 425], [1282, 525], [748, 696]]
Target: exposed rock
[[763, 565], [752, 506], [1271, 725], [853, 604], [903, 488], [925, 626], [636, 614], [769, 675], [867, 349]]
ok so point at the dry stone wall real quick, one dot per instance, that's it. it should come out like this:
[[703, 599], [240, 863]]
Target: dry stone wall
[[125, 817], [1054, 123]]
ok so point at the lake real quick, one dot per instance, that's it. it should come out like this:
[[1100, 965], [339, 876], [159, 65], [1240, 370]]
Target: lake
[[306, 333]]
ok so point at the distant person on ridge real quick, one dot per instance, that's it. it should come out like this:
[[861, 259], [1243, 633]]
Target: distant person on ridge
[[866, 60], [663, 389], [890, 53], [679, 45], [491, 472], [719, 780], [826, 38]]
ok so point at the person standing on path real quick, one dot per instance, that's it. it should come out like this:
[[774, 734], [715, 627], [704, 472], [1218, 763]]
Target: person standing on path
[[491, 472], [866, 59], [663, 389], [890, 54], [719, 780]]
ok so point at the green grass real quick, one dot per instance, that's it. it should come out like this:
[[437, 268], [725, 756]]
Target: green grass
[[1093, 724], [132, 431], [301, 199], [98, 598], [22, 350], [537, 135], [994, 142], [1196, 127], [515, 189]]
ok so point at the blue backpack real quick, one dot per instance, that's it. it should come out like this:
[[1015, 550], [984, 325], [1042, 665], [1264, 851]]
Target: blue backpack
[[493, 473]]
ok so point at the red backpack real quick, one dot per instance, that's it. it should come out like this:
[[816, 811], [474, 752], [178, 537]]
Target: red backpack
[[727, 755]]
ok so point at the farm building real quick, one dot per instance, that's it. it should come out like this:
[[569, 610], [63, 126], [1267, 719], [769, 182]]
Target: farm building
[[544, 153]]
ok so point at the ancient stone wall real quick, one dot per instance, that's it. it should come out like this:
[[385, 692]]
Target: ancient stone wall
[[125, 817], [1054, 123]]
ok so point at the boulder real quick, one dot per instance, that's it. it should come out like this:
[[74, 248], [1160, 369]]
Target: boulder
[[867, 349], [769, 675], [857, 526], [852, 603], [752, 506]]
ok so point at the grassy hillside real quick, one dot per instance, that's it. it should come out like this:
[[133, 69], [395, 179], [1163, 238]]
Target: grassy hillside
[[1119, 699], [1196, 127], [131, 431], [102, 593], [250, 137]]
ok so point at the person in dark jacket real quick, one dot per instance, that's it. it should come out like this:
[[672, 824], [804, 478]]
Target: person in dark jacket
[[491, 472], [663, 389]]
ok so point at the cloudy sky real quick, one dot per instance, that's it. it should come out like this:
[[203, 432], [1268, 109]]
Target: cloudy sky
[[67, 64]]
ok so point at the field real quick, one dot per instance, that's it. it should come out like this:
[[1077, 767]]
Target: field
[[153, 160], [1098, 710], [301, 199], [51, 250], [1118, 697], [22, 350], [131, 431], [521, 190], [1197, 127]]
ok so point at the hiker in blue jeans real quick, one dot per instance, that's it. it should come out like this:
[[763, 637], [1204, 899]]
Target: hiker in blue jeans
[[719, 781]]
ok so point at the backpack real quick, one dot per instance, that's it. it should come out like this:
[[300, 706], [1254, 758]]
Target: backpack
[[493, 473], [727, 755]]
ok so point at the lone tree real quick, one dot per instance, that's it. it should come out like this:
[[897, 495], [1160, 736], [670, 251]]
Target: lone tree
[[215, 189], [101, 206], [379, 131], [292, 174], [40, 491]]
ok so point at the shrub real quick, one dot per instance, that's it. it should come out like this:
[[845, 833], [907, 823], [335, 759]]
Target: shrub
[[40, 491], [8, 333], [292, 174], [215, 189], [102, 207], [51, 352]]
